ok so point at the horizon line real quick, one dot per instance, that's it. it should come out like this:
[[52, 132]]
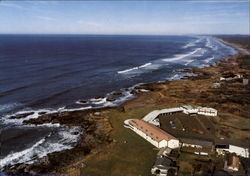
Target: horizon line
[[118, 34]]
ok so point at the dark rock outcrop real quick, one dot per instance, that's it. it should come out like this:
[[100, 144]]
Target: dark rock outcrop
[[96, 134], [20, 116]]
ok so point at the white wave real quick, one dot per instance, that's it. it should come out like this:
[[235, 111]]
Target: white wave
[[103, 102], [209, 59], [144, 90], [145, 65], [211, 45], [74, 109], [208, 43], [181, 56], [191, 44], [188, 62], [203, 65], [126, 96], [9, 107], [35, 115], [134, 68], [66, 139], [68, 136], [49, 125], [178, 76], [79, 102], [98, 101], [16, 157], [174, 77]]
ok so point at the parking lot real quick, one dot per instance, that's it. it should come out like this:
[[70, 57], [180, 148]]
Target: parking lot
[[183, 125]]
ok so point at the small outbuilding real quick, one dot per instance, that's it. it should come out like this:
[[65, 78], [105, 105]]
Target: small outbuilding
[[164, 166], [196, 143]]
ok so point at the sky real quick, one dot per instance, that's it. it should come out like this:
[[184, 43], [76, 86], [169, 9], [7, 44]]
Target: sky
[[124, 17]]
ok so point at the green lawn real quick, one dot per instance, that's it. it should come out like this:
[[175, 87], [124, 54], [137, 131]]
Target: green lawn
[[129, 154]]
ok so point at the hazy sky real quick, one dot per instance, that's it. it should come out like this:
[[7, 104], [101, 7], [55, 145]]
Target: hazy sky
[[125, 17]]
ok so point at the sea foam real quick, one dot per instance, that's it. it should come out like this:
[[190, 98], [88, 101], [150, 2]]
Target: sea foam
[[65, 140], [134, 68], [181, 56]]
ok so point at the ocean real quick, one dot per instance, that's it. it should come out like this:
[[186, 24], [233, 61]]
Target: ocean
[[51, 73]]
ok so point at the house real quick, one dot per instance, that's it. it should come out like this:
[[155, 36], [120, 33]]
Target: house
[[152, 134], [239, 151], [230, 76], [163, 166], [232, 163]]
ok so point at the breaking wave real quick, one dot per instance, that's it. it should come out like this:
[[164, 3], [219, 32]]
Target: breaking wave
[[9, 107], [65, 140], [181, 56], [134, 68], [191, 44]]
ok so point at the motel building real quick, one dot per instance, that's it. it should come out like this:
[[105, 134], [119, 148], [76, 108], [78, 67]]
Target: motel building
[[152, 134], [187, 109]]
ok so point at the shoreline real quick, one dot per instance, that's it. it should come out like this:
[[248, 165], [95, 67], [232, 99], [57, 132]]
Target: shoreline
[[99, 116], [238, 47]]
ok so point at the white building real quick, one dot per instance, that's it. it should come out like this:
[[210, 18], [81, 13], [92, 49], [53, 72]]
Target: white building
[[240, 151], [152, 134], [187, 109], [152, 116], [207, 111]]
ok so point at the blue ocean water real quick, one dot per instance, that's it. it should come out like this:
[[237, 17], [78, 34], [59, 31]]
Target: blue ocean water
[[53, 72]]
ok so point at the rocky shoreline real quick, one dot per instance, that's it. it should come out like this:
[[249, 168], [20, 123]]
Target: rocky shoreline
[[96, 134], [97, 128]]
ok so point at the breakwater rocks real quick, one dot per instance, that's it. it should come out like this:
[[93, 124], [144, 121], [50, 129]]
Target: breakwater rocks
[[96, 131]]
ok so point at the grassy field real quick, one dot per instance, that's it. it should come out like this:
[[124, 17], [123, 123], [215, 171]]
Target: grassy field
[[129, 153]]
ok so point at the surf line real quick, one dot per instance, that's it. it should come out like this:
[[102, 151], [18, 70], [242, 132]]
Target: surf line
[[134, 68]]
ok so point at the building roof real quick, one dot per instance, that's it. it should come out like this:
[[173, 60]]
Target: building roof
[[154, 132], [203, 143], [233, 161], [206, 109], [188, 107], [230, 147], [163, 161]]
